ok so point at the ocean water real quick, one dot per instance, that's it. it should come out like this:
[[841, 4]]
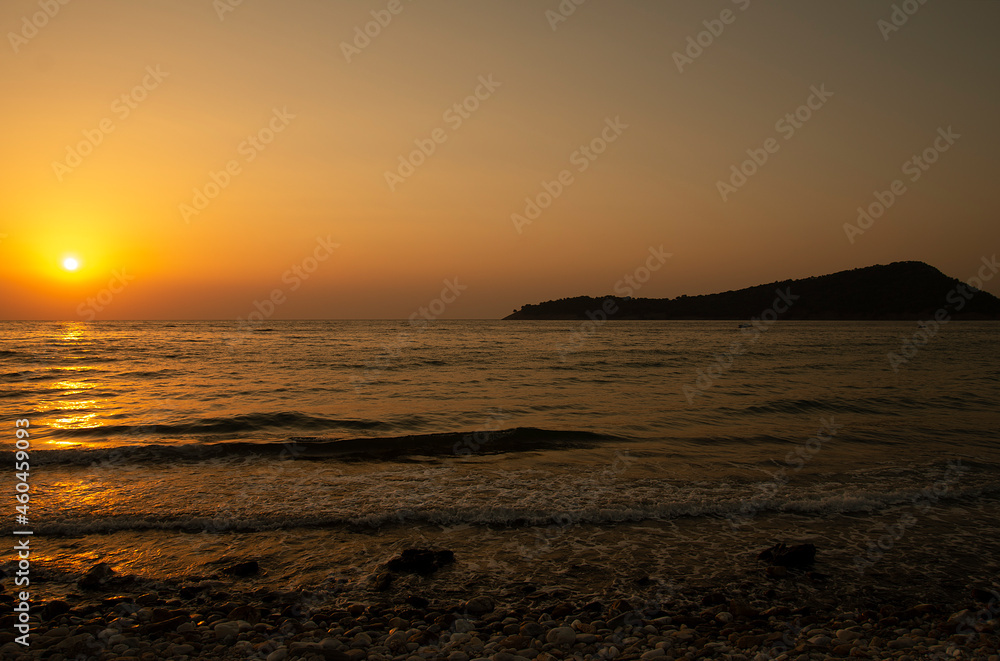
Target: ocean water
[[592, 456]]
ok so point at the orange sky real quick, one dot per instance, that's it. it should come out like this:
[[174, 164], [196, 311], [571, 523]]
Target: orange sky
[[115, 112]]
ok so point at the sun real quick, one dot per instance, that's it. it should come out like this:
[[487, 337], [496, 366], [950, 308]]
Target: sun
[[71, 263]]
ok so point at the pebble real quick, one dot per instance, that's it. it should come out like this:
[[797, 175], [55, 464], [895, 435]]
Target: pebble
[[227, 630], [902, 643], [820, 641], [561, 636], [485, 628]]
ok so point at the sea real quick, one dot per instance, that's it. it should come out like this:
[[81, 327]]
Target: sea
[[633, 459]]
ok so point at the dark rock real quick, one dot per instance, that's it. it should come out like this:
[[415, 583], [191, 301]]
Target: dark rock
[[445, 621], [95, 576], [742, 609], [189, 591], [74, 645], [985, 596], [918, 611], [334, 655], [691, 621], [248, 613], [479, 605], [777, 611], [413, 614], [713, 599], [420, 561], [293, 611], [630, 618], [417, 601], [562, 610], [160, 615], [532, 629], [516, 642], [54, 608], [381, 581], [242, 569], [797, 556], [167, 625], [748, 641]]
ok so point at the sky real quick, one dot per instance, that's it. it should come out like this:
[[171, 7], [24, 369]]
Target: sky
[[208, 159]]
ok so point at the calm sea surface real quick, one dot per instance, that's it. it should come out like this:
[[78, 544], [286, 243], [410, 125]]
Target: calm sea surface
[[157, 446]]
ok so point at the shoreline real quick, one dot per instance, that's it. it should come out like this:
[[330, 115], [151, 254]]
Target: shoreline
[[760, 612]]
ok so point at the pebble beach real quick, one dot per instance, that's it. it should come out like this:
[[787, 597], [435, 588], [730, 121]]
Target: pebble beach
[[413, 615]]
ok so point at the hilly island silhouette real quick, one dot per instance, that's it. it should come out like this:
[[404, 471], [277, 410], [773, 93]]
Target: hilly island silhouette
[[901, 291]]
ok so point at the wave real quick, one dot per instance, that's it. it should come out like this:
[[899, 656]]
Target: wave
[[149, 374], [735, 513], [458, 444], [247, 422]]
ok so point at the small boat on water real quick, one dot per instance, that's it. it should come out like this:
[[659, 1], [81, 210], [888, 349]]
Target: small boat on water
[[744, 326]]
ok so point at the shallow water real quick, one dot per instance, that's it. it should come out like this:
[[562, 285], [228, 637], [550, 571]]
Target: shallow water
[[161, 446]]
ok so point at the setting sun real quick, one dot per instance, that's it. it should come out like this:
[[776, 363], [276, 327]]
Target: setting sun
[[546, 330]]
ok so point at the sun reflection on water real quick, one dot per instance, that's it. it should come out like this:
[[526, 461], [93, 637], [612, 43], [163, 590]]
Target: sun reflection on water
[[72, 385]]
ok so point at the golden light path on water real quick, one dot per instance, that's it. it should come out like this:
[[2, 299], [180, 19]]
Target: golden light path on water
[[123, 411]]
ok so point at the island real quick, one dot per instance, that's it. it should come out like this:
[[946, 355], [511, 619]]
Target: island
[[900, 291]]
